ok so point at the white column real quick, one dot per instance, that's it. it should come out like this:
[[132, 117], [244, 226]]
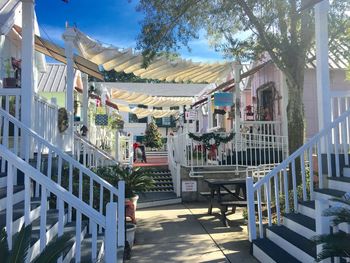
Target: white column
[[84, 78], [27, 78], [322, 71], [210, 114], [69, 37], [237, 97], [322, 223]]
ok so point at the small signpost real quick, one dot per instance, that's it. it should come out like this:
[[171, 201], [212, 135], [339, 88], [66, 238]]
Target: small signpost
[[189, 186]]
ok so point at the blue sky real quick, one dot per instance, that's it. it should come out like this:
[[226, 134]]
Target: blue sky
[[110, 21]]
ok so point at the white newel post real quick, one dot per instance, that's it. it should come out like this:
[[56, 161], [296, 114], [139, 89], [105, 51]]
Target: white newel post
[[251, 209], [237, 97], [322, 70], [210, 114], [111, 233], [27, 78], [322, 223], [69, 36], [84, 78]]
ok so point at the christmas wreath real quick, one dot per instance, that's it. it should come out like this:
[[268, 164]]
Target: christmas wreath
[[211, 139], [63, 122]]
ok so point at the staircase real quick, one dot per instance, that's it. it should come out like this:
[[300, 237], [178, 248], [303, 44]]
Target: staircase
[[284, 232], [163, 181], [162, 193], [57, 194]]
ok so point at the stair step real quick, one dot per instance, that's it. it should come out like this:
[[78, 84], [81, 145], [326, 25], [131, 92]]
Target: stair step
[[266, 251], [18, 195], [339, 183], [298, 245], [307, 208], [86, 247], [18, 212], [301, 224], [70, 229], [51, 232], [327, 193]]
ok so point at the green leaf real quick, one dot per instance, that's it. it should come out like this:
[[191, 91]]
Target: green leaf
[[54, 249], [4, 249], [20, 245]]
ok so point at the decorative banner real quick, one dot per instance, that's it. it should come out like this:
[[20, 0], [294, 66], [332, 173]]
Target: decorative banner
[[101, 120], [222, 99]]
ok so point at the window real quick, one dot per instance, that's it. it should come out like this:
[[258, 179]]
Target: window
[[133, 118], [159, 121]]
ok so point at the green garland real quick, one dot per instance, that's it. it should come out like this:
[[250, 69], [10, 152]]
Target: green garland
[[210, 139]]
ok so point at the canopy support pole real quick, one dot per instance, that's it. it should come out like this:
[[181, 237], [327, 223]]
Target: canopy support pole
[[69, 37], [27, 78]]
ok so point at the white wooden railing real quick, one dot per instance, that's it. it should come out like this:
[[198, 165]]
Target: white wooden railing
[[123, 148], [332, 143], [47, 186], [76, 172], [262, 127], [90, 155], [245, 149], [174, 166]]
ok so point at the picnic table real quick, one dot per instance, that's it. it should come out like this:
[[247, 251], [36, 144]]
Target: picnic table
[[234, 191]]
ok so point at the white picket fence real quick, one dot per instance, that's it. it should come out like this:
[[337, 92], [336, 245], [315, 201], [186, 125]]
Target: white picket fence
[[110, 218], [332, 143]]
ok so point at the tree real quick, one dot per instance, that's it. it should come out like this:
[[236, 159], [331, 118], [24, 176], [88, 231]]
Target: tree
[[153, 138], [284, 29]]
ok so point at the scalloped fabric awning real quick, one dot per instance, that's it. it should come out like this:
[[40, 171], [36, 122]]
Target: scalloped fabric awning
[[129, 61], [159, 101], [142, 112]]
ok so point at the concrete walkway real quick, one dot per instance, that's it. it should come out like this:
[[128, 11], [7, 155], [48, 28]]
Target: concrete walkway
[[185, 233]]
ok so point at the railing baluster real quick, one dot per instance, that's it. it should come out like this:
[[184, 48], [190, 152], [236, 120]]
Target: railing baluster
[[303, 176], [261, 227], [9, 203], [91, 199], [286, 193], [59, 174], [121, 214], [344, 142], [277, 199], [70, 189], [268, 202], [311, 172], [43, 210], [336, 151], [78, 237], [93, 241], [101, 205], [319, 165]]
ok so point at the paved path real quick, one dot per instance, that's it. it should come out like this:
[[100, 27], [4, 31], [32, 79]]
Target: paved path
[[185, 233]]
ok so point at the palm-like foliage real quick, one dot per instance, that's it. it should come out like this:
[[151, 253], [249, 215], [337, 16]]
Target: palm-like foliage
[[335, 244], [136, 180], [21, 245]]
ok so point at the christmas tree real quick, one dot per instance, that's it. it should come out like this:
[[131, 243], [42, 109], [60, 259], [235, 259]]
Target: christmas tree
[[153, 138]]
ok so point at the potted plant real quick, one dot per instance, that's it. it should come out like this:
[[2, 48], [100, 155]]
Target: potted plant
[[136, 181], [9, 82]]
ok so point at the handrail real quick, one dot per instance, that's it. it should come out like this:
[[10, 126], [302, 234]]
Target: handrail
[[64, 155], [101, 152], [302, 149], [10, 92], [53, 187]]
